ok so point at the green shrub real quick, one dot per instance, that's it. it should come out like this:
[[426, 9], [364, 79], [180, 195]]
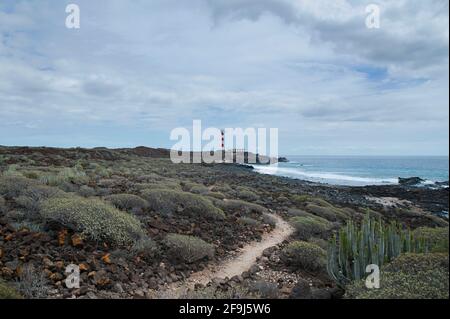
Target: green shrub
[[13, 186], [127, 201], [7, 292], [34, 195], [224, 188], [172, 202], [246, 194], [310, 226], [67, 174], [2, 205], [304, 255], [249, 221], [188, 249], [269, 220], [75, 175], [299, 199], [328, 212], [94, 218], [30, 226], [12, 170], [322, 243], [437, 238], [146, 248], [31, 174], [240, 206], [216, 195], [298, 212], [86, 191], [195, 188], [409, 276]]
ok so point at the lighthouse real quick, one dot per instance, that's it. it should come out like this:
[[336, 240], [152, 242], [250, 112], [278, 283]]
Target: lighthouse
[[223, 139]]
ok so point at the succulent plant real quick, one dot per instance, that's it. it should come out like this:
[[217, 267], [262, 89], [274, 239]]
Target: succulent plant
[[371, 242]]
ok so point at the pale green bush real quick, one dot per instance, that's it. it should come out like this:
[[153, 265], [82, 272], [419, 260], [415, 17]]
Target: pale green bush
[[249, 221], [304, 255], [127, 201], [13, 186], [12, 170], [246, 194], [328, 212], [436, 238], [94, 218], [32, 197], [310, 226], [67, 174], [8, 292], [2, 205], [409, 276], [173, 202], [240, 206], [188, 249], [86, 191]]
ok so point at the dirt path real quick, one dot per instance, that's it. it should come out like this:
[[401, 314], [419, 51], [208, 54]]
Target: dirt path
[[242, 262]]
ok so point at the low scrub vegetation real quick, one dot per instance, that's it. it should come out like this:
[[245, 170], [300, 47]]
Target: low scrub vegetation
[[242, 207], [127, 201], [310, 226], [174, 202], [73, 175], [437, 238], [188, 249], [304, 255], [94, 218], [2, 205], [249, 221], [246, 194], [8, 292], [328, 212], [410, 276], [13, 186]]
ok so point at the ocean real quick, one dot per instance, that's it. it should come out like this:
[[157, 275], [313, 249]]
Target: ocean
[[360, 170]]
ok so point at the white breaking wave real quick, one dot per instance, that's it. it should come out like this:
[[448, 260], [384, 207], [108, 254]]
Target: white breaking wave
[[331, 177]]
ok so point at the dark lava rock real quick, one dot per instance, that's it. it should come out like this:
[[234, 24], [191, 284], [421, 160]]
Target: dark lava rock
[[321, 294], [301, 290], [410, 181]]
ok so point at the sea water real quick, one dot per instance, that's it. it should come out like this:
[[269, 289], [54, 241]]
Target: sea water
[[361, 170]]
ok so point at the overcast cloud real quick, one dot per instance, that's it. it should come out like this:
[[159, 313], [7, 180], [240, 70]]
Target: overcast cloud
[[137, 69]]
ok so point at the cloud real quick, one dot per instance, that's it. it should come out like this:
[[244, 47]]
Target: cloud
[[311, 68]]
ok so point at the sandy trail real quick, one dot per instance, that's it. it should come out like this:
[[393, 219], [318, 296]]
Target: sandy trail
[[242, 262]]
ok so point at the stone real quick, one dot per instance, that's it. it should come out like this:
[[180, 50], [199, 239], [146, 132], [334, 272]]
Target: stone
[[59, 265], [153, 283], [321, 294], [237, 279], [48, 263], [77, 241], [118, 288], [91, 295], [101, 279], [410, 181], [301, 290], [56, 276], [12, 264]]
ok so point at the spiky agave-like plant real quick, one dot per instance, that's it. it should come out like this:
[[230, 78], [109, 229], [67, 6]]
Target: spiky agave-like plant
[[371, 242]]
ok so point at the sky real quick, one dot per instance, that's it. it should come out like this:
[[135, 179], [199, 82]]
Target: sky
[[136, 70]]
